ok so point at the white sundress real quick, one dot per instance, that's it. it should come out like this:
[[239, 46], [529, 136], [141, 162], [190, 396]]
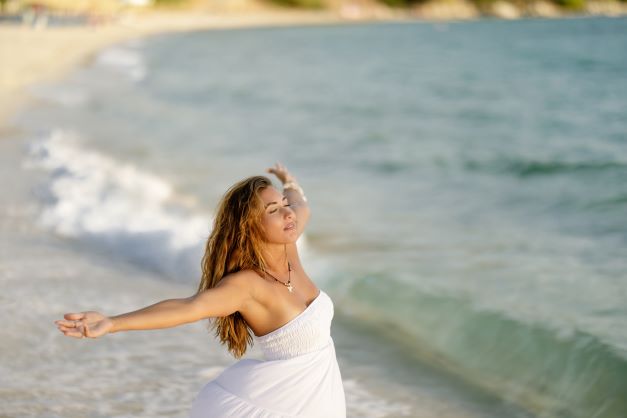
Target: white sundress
[[299, 376]]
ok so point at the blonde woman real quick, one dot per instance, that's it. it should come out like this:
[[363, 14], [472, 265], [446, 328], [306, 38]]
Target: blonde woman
[[253, 289]]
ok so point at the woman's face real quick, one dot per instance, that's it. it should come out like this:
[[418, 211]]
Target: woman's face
[[278, 219]]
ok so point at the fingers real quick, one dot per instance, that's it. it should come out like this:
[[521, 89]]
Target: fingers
[[74, 334], [65, 323], [76, 330], [277, 167], [279, 170], [64, 328], [73, 328], [74, 316]]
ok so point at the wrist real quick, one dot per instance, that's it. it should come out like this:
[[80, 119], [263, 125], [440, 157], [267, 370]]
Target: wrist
[[289, 179], [115, 325], [293, 185]]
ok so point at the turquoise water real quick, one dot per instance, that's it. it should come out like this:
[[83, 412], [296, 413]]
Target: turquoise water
[[468, 183]]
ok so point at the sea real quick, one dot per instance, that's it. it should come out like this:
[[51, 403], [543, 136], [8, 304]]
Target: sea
[[468, 189]]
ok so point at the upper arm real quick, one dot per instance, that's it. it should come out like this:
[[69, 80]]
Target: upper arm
[[230, 295]]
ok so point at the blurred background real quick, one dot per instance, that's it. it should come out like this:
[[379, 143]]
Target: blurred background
[[465, 163], [43, 12]]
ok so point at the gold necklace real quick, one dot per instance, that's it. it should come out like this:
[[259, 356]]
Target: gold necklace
[[289, 277]]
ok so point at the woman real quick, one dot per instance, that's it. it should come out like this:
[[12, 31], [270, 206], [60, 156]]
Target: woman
[[253, 289]]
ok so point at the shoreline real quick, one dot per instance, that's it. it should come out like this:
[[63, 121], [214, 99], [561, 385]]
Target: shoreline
[[38, 55]]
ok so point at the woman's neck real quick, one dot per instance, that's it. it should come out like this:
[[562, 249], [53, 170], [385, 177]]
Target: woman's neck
[[276, 258]]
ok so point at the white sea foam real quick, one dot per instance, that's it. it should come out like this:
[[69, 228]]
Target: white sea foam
[[131, 213], [363, 403], [125, 59], [116, 205]]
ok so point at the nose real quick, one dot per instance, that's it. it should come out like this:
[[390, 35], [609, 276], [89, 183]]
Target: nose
[[288, 212]]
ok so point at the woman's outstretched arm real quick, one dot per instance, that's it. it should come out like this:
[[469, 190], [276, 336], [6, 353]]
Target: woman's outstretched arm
[[231, 294]]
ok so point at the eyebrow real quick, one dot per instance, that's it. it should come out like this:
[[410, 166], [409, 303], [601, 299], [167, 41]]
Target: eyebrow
[[273, 203]]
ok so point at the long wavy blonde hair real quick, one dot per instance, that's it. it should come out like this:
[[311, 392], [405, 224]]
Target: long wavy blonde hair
[[235, 244]]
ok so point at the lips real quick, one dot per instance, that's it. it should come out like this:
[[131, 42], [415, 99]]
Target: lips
[[290, 226]]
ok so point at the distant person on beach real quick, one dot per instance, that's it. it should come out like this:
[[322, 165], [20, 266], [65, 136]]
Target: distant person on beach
[[253, 288]]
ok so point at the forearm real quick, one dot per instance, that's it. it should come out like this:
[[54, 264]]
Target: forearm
[[165, 314], [294, 193], [295, 198]]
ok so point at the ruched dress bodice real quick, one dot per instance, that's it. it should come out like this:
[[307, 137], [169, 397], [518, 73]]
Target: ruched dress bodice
[[308, 331], [299, 376]]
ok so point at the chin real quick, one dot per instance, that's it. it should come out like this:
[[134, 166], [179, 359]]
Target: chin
[[284, 241], [291, 240]]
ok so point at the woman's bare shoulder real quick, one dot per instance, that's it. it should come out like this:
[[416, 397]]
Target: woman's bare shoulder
[[261, 299], [242, 278], [250, 281]]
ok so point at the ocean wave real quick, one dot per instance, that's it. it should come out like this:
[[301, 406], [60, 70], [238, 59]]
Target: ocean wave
[[119, 207], [132, 214], [528, 167], [551, 371]]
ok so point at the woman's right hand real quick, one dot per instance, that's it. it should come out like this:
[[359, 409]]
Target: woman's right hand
[[89, 324]]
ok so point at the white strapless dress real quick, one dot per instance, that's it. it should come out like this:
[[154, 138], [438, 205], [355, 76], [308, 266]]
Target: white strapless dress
[[299, 376]]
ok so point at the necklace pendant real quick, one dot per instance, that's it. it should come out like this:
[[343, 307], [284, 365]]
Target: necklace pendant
[[289, 287]]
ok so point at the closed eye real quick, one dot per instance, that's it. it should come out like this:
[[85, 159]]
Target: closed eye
[[274, 203], [285, 206]]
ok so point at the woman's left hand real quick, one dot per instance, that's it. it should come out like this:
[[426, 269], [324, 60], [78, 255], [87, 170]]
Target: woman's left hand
[[281, 172]]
